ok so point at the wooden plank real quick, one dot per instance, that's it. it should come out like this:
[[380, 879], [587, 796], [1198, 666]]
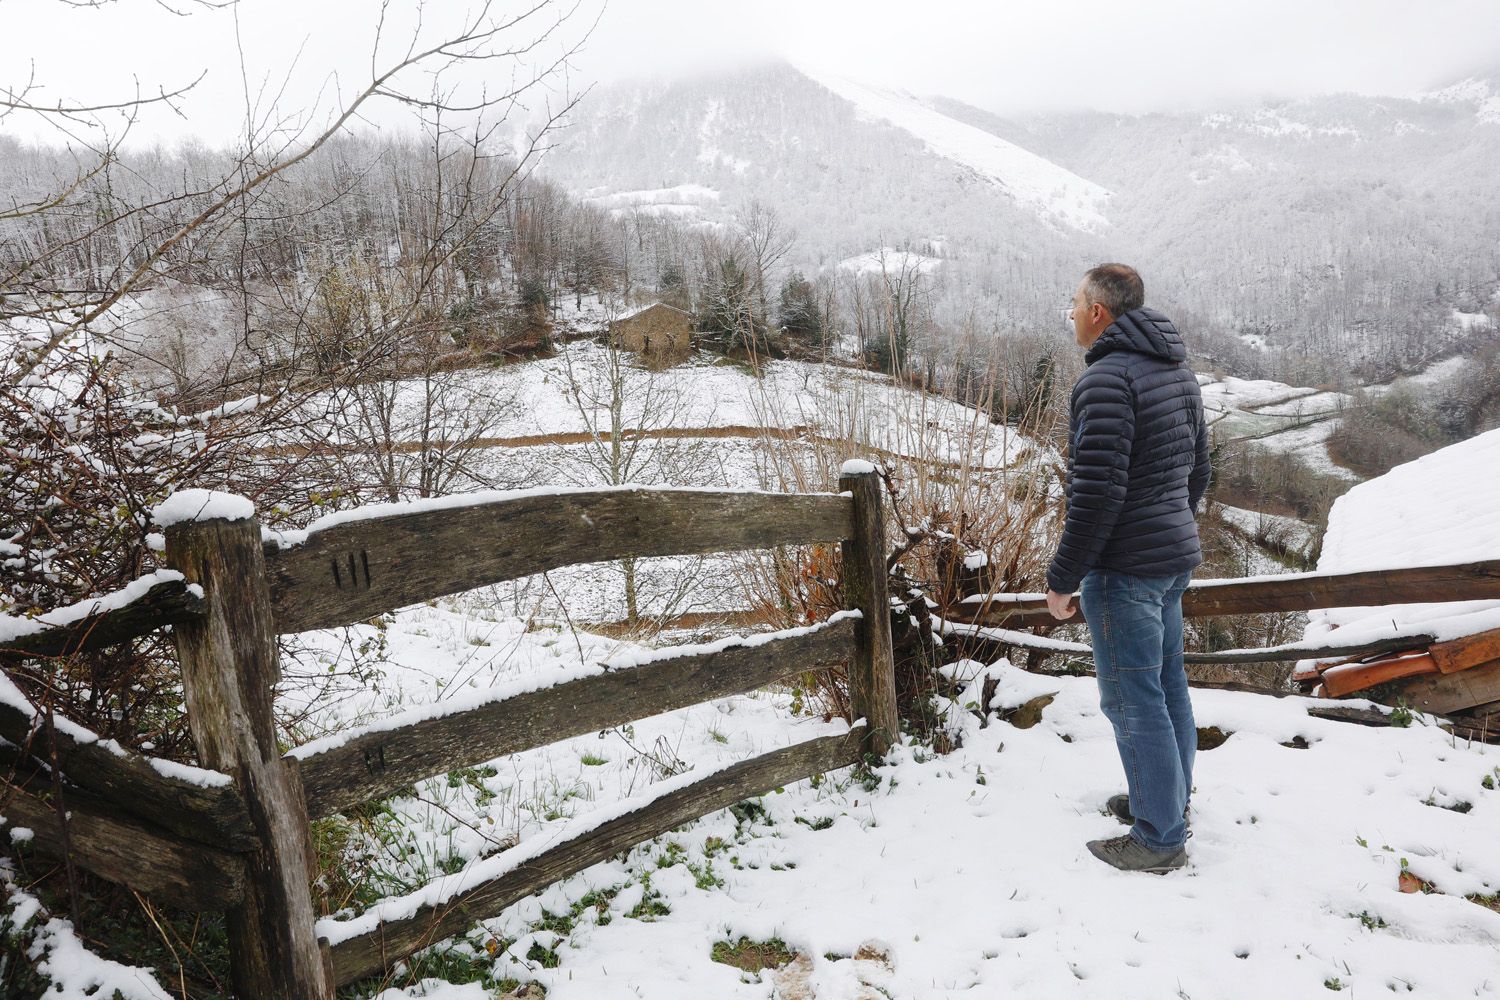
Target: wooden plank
[[1291, 592], [166, 603], [210, 815], [1469, 651], [379, 762], [353, 571], [1444, 693], [1294, 651], [114, 846], [370, 953], [1265, 654], [1482, 722], [229, 672], [1348, 677], [1332, 712], [872, 670]]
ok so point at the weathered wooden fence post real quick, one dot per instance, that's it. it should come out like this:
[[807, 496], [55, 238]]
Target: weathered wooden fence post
[[872, 670], [229, 669]]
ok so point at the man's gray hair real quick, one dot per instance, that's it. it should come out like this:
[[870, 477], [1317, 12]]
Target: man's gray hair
[[1116, 287]]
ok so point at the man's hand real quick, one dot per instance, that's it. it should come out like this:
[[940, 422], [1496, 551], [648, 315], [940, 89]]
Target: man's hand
[[1062, 606]]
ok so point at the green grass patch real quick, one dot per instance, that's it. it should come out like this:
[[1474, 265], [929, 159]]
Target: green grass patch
[[752, 956]]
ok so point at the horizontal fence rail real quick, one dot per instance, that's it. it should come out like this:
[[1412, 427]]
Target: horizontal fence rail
[[368, 953], [209, 813], [1305, 650], [352, 571], [1474, 581], [169, 602], [108, 842], [379, 762]]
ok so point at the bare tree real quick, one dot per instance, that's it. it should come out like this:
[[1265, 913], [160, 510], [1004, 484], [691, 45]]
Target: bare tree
[[767, 241], [625, 407], [161, 228]]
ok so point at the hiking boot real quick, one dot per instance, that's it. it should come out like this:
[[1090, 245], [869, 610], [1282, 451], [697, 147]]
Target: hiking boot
[[1118, 806], [1130, 855]]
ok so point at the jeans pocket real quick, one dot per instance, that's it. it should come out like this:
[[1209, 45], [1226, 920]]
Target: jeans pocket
[[1150, 590]]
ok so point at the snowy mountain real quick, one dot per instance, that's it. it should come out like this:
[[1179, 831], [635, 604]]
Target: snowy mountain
[[1034, 182], [1480, 93], [850, 168], [1329, 217], [765, 130]]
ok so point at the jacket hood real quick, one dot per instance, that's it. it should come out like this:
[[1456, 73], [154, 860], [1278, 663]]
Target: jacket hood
[[1144, 331]]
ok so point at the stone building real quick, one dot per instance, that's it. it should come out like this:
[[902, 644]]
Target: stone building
[[658, 332]]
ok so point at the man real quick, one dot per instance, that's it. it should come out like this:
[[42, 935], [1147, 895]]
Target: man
[[1138, 465]]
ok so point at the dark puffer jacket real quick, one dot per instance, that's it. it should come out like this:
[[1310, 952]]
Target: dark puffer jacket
[[1138, 457]]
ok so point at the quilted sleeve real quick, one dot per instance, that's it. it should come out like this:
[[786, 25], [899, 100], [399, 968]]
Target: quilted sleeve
[[1099, 473]]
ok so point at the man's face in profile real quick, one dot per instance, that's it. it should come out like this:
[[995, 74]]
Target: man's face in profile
[[1089, 320]]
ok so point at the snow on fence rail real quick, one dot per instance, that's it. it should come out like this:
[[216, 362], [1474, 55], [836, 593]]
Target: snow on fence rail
[[1305, 649], [195, 838], [354, 569], [145, 605]]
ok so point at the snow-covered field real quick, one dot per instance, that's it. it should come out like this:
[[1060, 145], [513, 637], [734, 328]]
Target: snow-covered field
[[1261, 532], [537, 399], [1276, 416], [708, 422], [936, 876], [1297, 419], [890, 261]]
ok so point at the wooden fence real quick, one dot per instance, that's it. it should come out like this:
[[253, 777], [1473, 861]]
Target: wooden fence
[[1467, 670], [236, 838]]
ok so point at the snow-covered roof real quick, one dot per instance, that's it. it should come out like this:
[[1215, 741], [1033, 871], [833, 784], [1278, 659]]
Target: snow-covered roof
[[632, 314], [1442, 508]]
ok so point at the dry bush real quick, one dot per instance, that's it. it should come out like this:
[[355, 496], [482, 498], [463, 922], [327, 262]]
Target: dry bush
[[972, 506], [1254, 477]]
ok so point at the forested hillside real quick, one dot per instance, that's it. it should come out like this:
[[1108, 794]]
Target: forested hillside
[[1337, 235]]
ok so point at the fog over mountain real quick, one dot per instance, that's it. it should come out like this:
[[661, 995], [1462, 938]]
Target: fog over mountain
[[1345, 225]]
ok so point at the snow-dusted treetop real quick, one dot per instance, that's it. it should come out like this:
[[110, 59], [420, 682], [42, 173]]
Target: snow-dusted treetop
[[201, 505]]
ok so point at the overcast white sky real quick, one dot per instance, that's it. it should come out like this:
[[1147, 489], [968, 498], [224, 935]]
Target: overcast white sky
[[1005, 55]]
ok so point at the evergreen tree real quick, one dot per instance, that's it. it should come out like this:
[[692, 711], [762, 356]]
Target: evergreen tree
[[800, 316]]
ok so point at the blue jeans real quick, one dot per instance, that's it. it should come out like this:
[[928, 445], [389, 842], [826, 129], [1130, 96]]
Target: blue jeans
[[1135, 623]]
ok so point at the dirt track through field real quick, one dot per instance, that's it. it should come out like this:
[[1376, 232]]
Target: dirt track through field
[[800, 432]]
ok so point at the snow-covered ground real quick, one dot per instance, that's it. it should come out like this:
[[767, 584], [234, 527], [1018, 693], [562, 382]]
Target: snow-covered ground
[[938, 875], [685, 200], [891, 262], [708, 423], [1267, 531], [536, 399]]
